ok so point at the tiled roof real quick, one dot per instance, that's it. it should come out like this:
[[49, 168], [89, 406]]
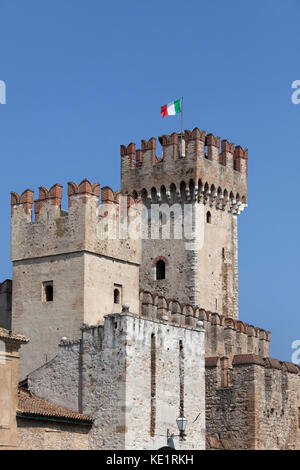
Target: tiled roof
[[6, 334], [30, 405]]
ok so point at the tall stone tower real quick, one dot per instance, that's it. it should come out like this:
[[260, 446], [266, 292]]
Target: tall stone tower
[[65, 272], [193, 193]]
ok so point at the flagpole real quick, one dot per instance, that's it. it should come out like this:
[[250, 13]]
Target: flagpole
[[181, 124]]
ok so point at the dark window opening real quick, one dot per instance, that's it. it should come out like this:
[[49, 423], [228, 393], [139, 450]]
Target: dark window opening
[[223, 254], [208, 217], [162, 219], [116, 296], [48, 291], [160, 270]]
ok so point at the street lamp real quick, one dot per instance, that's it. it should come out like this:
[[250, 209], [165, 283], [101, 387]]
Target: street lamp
[[181, 423]]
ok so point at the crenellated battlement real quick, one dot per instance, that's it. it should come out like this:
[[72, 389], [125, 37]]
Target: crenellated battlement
[[85, 187], [52, 197], [224, 335], [135, 158], [25, 199], [200, 159], [85, 226]]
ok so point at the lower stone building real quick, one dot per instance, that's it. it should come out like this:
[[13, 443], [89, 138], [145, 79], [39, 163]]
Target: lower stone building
[[134, 376], [123, 384], [42, 425], [29, 422]]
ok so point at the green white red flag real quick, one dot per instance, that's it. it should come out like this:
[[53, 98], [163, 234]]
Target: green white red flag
[[171, 109]]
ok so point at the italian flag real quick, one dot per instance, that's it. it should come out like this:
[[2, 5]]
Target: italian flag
[[171, 109]]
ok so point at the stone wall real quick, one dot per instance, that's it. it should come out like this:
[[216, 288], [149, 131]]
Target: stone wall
[[59, 380], [47, 322], [118, 384], [253, 404], [45, 435], [134, 376], [201, 268]]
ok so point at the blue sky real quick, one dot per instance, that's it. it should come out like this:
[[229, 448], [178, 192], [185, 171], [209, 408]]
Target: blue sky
[[84, 77]]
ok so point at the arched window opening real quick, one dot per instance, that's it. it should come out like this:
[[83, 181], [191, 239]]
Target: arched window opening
[[116, 296], [208, 217], [160, 270]]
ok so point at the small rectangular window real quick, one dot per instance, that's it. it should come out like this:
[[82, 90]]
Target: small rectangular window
[[47, 291]]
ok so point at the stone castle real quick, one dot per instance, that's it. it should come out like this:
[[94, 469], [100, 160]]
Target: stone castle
[[125, 314]]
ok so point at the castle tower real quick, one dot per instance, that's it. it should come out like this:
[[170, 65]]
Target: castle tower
[[66, 272], [192, 202]]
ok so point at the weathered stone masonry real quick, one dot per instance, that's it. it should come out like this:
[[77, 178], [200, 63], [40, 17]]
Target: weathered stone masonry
[[116, 376], [252, 404]]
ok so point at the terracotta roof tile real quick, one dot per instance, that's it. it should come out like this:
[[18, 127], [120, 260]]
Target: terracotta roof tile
[[291, 367], [272, 363], [6, 334], [212, 361], [248, 359], [29, 404], [267, 362]]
